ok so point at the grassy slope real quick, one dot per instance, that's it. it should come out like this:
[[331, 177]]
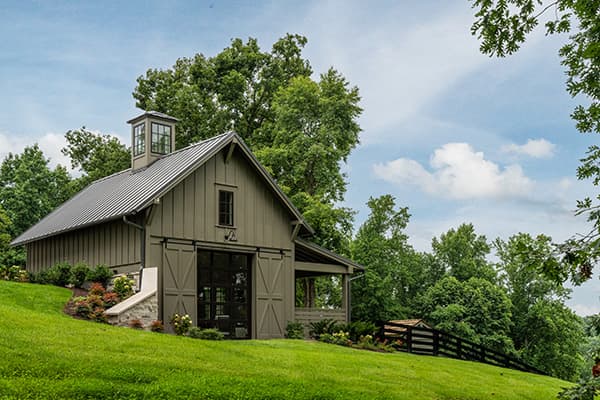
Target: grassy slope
[[45, 354]]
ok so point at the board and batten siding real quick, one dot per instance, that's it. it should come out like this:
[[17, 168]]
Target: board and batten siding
[[189, 211], [114, 244]]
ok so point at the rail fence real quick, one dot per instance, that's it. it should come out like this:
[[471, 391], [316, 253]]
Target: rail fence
[[429, 341]]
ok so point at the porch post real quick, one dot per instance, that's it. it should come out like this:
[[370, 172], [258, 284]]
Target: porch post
[[346, 296]]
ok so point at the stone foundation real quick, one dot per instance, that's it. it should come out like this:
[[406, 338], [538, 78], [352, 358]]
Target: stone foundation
[[142, 306]]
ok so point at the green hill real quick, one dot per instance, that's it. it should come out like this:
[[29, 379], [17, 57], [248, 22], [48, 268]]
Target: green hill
[[46, 354]]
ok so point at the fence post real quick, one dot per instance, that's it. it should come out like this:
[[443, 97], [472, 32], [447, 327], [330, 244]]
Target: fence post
[[482, 353], [436, 342], [409, 339], [458, 349]]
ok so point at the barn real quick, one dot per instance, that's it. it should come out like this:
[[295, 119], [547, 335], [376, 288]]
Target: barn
[[206, 229]]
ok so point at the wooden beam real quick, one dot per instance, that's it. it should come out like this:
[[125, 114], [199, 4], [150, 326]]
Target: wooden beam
[[318, 267]]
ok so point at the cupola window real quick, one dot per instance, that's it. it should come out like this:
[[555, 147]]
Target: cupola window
[[139, 139], [161, 138]]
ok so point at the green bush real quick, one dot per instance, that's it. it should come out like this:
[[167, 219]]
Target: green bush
[[181, 324], [294, 330], [79, 273], [205, 334], [100, 274], [123, 287], [316, 329], [59, 274], [340, 338], [357, 329], [14, 273]]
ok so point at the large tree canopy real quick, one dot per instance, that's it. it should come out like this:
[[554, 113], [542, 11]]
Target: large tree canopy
[[502, 26], [300, 129]]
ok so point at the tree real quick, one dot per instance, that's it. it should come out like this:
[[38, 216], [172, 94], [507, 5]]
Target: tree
[[9, 256], [29, 189], [382, 247], [475, 309], [300, 129], [463, 253], [232, 91], [545, 332], [95, 155], [502, 26]]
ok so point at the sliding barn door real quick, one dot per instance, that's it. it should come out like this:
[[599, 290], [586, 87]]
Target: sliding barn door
[[270, 299], [179, 281]]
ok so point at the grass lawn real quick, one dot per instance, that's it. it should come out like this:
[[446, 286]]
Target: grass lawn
[[46, 354]]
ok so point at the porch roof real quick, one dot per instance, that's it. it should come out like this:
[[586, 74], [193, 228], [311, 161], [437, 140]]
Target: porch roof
[[314, 258]]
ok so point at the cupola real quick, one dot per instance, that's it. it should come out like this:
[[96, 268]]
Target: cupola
[[152, 137]]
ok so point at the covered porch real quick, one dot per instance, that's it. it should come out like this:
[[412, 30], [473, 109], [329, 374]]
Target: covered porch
[[312, 263]]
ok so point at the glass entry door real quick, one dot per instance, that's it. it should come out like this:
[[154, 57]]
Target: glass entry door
[[224, 292]]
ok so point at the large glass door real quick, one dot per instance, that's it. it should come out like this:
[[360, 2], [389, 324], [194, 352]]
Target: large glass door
[[224, 292]]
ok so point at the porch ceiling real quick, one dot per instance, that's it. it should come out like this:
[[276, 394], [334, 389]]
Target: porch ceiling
[[312, 258]]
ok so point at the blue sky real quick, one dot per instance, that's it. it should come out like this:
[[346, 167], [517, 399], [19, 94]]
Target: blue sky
[[454, 135]]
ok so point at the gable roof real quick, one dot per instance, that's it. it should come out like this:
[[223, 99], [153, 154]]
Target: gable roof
[[131, 191]]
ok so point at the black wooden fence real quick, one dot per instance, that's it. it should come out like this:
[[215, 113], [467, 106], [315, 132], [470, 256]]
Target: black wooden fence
[[429, 341]]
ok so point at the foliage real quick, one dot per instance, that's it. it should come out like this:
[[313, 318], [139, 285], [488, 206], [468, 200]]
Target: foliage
[[502, 26], [14, 273], [123, 286], [584, 390], [59, 274], [368, 342], [294, 330], [340, 338], [95, 155], [356, 329], [317, 328], [205, 334], [392, 275], [463, 254], [110, 299], [79, 272], [181, 323], [97, 289], [157, 326], [74, 359], [90, 307], [29, 189], [545, 332], [100, 274], [9, 255], [475, 309], [136, 324]]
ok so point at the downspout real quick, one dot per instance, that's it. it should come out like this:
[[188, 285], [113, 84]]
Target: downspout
[[142, 230]]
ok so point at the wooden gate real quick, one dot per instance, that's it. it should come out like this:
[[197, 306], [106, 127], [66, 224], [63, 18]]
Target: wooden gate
[[179, 281], [270, 286]]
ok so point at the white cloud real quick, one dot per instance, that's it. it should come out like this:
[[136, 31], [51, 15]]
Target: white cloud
[[458, 172], [50, 144], [537, 148]]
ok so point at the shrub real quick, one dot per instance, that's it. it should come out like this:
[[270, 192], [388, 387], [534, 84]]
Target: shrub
[[123, 286], [157, 326], [294, 330], [136, 324], [79, 272], [14, 273], [205, 334], [340, 338], [100, 274], [323, 326], [97, 289], [110, 299], [357, 329], [59, 274], [181, 324]]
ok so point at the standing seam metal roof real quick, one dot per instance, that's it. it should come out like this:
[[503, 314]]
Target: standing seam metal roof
[[129, 192]]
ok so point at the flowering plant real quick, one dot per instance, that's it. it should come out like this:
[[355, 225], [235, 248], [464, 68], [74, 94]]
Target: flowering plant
[[181, 324], [123, 286]]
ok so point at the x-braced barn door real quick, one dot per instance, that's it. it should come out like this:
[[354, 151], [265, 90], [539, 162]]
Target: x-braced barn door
[[179, 280], [270, 286]]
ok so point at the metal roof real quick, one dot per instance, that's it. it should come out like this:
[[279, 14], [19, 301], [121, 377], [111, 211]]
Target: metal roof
[[131, 191], [309, 251], [155, 114]]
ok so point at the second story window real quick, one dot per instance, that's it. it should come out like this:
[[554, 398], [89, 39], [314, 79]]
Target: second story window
[[161, 138], [139, 139], [225, 208]]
